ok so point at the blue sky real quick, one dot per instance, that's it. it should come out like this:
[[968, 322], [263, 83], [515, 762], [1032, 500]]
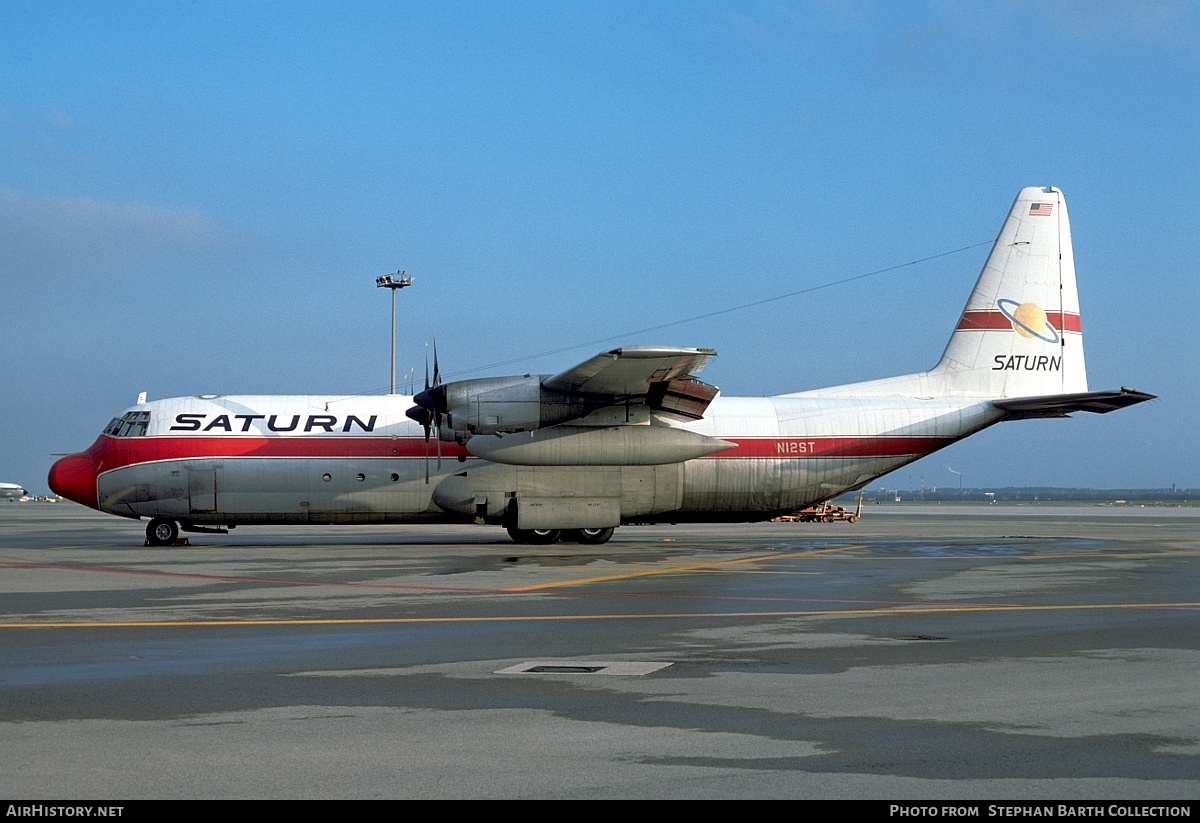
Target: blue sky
[[196, 197]]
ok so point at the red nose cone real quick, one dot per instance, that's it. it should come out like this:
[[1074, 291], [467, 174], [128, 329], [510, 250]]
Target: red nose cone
[[74, 477]]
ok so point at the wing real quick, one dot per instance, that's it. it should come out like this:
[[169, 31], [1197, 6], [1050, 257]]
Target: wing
[[664, 377], [629, 371]]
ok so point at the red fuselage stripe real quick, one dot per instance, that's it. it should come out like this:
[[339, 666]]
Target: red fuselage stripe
[[110, 453], [114, 452], [793, 447]]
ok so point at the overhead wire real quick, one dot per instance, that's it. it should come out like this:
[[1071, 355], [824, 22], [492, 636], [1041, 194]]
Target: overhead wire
[[705, 316], [719, 312]]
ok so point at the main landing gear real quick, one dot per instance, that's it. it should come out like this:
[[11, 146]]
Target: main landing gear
[[589, 537], [543, 537]]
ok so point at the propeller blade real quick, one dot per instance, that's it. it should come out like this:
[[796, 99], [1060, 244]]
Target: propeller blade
[[430, 406], [438, 420], [437, 373]]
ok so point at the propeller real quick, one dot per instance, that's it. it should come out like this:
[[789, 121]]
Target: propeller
[[431, 405]]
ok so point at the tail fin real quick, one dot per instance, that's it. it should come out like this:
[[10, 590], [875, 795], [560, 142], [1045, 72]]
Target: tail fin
[[1020, 334]]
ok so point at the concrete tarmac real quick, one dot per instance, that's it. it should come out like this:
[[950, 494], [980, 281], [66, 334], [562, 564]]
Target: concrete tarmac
[[925, 652]]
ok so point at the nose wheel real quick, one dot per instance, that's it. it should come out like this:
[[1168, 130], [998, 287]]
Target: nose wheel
[[162, 532]]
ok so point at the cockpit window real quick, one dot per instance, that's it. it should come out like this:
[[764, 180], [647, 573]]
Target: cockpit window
[[131, 424]]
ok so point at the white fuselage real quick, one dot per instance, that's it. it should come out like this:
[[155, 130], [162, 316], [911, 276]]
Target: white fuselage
[[301, 459]]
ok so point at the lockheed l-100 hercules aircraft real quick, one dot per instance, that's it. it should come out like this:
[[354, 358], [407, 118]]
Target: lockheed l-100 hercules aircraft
[[629, 436]]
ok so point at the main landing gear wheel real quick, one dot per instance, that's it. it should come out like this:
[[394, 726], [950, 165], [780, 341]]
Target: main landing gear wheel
[[589, 537], [162, 532], [540, 537]]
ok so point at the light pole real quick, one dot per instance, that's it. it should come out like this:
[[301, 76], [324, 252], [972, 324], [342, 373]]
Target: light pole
[[393, 282]]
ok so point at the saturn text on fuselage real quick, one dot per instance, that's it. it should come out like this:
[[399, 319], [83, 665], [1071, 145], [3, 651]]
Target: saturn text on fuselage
[[275, 422]]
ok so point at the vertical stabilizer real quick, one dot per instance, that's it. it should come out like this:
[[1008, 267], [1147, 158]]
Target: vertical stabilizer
[[1020, 333]]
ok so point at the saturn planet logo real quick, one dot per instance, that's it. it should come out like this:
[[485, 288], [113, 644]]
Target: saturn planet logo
[[1028, 320]]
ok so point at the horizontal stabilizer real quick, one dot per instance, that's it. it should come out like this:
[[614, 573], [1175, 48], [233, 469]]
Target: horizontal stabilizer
[[1061, 405]]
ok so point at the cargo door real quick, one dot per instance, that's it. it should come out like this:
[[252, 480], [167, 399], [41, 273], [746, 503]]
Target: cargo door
[[203, 482]]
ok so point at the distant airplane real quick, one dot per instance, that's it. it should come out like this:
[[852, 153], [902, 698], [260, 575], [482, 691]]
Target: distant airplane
[[629, 436], [11, 491]]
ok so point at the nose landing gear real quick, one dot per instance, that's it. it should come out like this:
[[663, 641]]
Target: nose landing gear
[[162, 532]]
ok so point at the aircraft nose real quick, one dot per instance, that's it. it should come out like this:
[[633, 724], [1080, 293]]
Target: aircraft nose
[[74, 477]]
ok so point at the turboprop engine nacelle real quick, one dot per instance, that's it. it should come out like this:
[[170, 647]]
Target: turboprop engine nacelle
[[496, 405]]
